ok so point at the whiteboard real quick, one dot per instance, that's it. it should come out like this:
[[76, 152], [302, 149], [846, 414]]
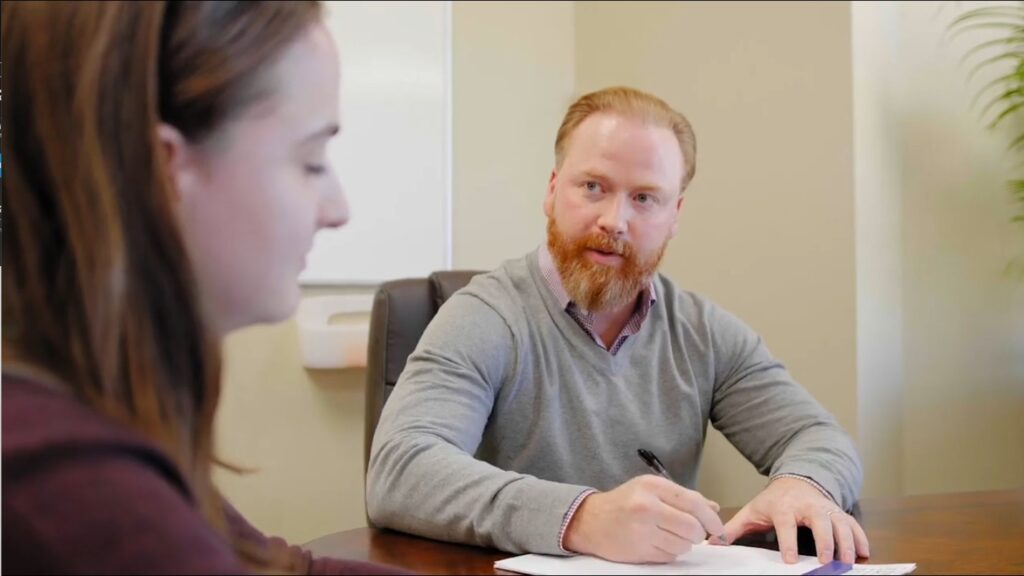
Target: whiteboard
[[393, 156]]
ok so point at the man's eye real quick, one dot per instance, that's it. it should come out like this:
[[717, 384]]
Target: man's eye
[[315, 169], [592, 186], [643, 198]]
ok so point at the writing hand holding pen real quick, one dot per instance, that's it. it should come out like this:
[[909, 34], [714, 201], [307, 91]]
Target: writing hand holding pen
[[649, 519], [658, 468]]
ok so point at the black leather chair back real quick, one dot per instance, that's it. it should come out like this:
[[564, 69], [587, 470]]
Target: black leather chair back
[[401, 311]]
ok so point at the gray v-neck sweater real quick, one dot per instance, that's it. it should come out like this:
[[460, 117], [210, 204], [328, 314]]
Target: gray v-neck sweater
[[507, 410]]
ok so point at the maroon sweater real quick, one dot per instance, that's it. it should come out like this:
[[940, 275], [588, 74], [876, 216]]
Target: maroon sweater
[[82, 494]]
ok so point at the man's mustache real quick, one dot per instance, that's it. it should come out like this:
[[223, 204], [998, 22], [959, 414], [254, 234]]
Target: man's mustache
[[608, 244]]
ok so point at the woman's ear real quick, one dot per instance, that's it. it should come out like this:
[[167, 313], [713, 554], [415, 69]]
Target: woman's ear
[[181, 161]]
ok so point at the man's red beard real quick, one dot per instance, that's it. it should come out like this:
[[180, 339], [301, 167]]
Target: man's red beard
[[598, 287]]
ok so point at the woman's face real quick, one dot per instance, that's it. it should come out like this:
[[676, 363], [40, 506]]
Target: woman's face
[[253, 195]]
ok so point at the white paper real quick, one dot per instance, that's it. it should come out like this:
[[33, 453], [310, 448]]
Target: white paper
[[702, 559]]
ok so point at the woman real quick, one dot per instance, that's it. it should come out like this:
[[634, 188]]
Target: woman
[[165, 174]]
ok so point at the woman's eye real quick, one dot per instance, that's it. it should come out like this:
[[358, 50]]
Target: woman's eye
[[592, 186], [315, 169]]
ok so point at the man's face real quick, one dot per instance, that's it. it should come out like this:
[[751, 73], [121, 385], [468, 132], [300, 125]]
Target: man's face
[[612, 207]]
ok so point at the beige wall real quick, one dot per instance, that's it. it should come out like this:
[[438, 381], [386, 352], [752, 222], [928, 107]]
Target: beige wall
[[301, 431], [839, 208], [513, 68], [767, 229]]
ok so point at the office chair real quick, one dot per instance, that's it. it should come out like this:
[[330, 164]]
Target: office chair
[[401, 311]]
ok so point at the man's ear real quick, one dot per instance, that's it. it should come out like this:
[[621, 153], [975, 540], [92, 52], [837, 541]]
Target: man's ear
[[675, 223], [180, 159], [549, 198]]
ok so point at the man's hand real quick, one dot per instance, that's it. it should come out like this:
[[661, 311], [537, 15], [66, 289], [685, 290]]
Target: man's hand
[[647, 519], [787, 503]]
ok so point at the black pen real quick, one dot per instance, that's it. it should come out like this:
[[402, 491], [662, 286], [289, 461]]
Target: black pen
[[658, 468], [653, 463]]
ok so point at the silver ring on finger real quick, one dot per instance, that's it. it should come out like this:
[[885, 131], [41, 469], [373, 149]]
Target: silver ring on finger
[[831, 512]]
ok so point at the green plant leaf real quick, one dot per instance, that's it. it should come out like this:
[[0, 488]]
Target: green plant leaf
[[1019, 55], [996, 13], [1003, 13], [1015, 26], [1010, 40], [1013, 13], [1009, 9], [1015, 268], [1004, 79], [1010, 95], [1008, 22], [1009, 110], [1017, 142]]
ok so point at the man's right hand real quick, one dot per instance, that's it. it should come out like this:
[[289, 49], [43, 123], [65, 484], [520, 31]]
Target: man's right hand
[[646, 520]]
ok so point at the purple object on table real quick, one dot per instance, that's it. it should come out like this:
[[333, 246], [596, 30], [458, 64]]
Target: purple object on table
[[833, 567]]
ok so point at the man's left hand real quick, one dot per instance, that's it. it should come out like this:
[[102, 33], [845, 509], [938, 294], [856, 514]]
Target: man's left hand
[[787, 503]]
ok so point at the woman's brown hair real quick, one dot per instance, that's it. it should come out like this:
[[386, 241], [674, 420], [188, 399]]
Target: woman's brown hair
[[97, 286]]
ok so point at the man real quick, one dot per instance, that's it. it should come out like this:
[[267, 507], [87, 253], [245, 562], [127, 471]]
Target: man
[[517, 420]]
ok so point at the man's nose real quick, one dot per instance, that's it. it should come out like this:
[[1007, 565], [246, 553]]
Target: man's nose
[[614, 218]]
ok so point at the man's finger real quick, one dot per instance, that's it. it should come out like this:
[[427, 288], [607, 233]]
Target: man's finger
[[860, 540], [821, 526], [659, 556], [843, 534], [696, 505], [680, 523], [785, 530], [736, 526], [671, 544]]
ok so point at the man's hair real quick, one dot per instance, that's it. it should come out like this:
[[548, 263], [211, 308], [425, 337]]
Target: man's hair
[[637, 105]]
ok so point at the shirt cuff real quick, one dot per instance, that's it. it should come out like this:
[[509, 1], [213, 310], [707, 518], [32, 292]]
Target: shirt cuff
[[568, 518], [810, 481]]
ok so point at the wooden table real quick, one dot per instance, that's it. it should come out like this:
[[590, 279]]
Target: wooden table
[[964, 533]]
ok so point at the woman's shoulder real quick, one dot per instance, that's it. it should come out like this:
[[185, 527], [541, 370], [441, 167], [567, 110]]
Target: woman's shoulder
[[45, 427], [83, 493], [41, 418]]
